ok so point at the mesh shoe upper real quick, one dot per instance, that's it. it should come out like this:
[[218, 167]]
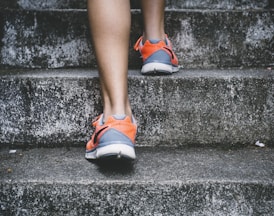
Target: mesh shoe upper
[[113, 131], [160, 52]]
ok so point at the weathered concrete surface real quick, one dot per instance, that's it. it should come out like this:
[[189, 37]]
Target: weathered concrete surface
[[168, 181], [178, 4], [201, 38], [192, 107], [223, 4], [45, 39], [58, 103]]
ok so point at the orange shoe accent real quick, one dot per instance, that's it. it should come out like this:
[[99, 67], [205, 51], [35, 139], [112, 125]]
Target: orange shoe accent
[[148, 49], [124, 126]]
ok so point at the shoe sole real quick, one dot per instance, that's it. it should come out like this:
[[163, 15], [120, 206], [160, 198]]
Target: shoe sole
[[113, 151], [156, 68]]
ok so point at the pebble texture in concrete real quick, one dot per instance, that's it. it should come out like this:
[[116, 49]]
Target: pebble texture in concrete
[[192, 107], [174, 4], [201, 38], [160, 182]]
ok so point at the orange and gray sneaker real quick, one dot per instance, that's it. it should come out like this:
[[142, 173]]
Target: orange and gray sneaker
[[114, 138], [158, 56]]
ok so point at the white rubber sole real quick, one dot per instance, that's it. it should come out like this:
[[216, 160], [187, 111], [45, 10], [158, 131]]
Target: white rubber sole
[[158, 68], [116, 150]]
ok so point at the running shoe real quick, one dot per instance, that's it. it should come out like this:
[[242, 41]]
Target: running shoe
[[114, 138], [158, 57]]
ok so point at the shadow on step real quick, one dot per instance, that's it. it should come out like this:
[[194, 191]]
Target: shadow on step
[[110, 166]]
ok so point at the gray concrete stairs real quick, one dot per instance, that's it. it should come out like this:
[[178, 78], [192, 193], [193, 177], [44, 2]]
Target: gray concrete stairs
[[192, 107], [162, 181], [43, 35], [196, 152]]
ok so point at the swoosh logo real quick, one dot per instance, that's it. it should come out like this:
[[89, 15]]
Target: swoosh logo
[[171, 53], [97, 134]]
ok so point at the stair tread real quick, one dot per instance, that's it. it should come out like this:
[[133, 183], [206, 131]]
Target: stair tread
[[183, 73], [153, 165], [209, 4]]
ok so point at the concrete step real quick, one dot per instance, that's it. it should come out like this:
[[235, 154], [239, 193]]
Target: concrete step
[[223, 4], [161, 181], [177, 4], [201, 38], [192, 107]]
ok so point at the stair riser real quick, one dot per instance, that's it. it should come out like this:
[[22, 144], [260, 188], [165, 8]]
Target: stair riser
[[136, 199], [192, 110], [178, 4], [201, 39]]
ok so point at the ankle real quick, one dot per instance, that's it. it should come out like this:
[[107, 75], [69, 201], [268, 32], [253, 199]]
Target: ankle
[[117, 113], [159, 36]]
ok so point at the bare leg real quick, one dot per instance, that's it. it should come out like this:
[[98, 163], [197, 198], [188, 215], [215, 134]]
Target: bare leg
[[110, 27], [153, 13]]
